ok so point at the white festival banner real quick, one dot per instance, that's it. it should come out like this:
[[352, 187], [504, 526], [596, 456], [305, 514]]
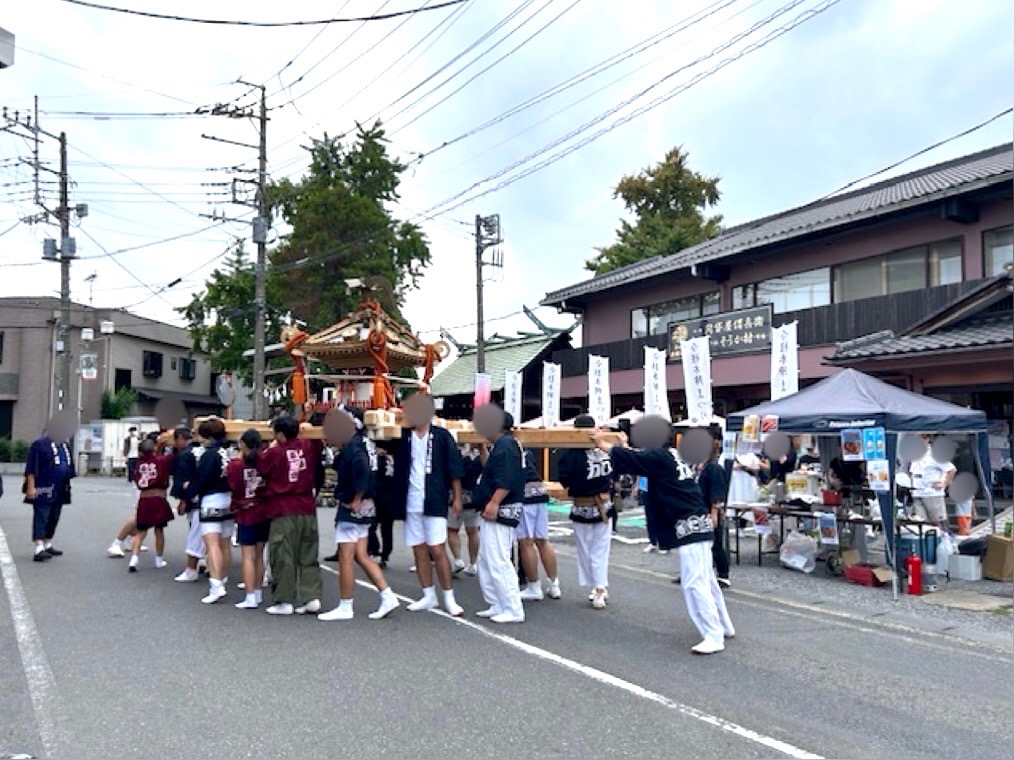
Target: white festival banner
[[656, 393], [696, 354], [512, 385], [784, 361], [550, 395], [600, 401]]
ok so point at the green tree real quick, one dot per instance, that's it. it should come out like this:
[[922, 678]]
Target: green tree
[[116, 406], [341, 228], [221, 317], [669, 203]]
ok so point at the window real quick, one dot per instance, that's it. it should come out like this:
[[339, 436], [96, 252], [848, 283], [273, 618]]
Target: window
[[122, 379], [655, 320], [1, 348], [172, 363], [899, 271], [997, 250], [793, 292], [188, 369], [151, 365]]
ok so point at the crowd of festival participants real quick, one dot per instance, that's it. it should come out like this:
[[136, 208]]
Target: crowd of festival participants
[[263, 495]]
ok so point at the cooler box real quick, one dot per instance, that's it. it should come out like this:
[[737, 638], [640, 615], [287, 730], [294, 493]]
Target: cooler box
[[964, 567], [910, 546]]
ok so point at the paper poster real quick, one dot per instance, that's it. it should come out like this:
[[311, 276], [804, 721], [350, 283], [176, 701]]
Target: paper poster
[[761, 521], [512, 385], [550, 395], [483, 389], [751, 428], [852, 445], [769, 423], [784, 361], [656, 389], [697, 380], [600, 403], [878, 474], [89, 366], [874, 443], [828, 527]]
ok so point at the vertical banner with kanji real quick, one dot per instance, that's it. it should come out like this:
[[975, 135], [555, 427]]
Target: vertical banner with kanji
[[697, 379], [550, 395], [784, 361], [512, 382], [600, 401], [656, 391], [483, 389]]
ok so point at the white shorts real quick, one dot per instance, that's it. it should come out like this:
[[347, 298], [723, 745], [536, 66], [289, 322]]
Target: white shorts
[[224, 528], [195, 544], [350, 533], [469, 518], [534, 521], [421, 529]]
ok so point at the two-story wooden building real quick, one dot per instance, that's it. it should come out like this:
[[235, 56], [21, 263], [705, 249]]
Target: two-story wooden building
[[882, 258]]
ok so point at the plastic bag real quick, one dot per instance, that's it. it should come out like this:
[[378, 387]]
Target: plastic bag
[[799, 552], [946, 546]]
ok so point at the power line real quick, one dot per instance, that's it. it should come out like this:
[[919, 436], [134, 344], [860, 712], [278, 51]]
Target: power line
[[304, 48], [111, 254], [232, 22], [120, 265]]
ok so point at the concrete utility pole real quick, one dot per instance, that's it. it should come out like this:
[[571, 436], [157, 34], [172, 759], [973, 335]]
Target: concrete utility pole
[[66, 254], [261, 238], [487, 235]]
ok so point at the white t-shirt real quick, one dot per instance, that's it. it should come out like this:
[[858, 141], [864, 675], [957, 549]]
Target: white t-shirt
[[927, 471], [134, 442], [417, 473]]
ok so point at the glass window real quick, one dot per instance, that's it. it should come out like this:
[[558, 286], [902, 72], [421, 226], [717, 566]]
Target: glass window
[[744, 296], [712, 303], [794, 292], [997, 250], [859, 279], [906, 270], [638, 323], [946, 266]]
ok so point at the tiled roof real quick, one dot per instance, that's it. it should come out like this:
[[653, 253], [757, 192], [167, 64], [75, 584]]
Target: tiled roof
[[951, 178], [987, 331], [510, 355]]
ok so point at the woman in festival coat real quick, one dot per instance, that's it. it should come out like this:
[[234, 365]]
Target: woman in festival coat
[[152, 474], [252, 523]]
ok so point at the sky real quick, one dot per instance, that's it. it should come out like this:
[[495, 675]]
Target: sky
[[781, 120]]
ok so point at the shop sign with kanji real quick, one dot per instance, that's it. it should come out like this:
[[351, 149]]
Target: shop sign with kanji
[[733, 332]]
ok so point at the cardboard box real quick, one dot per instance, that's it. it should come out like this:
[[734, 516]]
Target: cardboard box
[[999, 562], [864, 575], [964, 567]]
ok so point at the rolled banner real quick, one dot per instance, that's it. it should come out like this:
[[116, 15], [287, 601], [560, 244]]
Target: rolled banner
[[550, 395]]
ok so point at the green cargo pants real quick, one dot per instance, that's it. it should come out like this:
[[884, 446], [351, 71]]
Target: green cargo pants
[[293, 547]]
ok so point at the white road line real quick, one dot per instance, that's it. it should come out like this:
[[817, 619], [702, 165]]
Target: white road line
[[610, 680], [41, 684]]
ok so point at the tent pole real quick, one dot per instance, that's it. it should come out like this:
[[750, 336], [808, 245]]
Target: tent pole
[[889, 516], [986, 486]]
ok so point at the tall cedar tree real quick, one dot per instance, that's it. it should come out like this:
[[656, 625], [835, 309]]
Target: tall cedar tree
[[668, 202], [341, 228], [221, 317]]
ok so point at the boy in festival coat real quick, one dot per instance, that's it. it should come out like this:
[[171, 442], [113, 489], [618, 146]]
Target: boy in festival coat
[[289, 469]]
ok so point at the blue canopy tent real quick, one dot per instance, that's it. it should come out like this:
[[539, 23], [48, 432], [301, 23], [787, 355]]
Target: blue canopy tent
[[852, 399]]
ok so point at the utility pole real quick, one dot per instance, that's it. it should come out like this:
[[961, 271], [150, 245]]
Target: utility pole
[[66, 254], [487, 235]]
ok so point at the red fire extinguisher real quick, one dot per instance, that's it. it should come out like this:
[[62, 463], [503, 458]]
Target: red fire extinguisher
[[914, 567]]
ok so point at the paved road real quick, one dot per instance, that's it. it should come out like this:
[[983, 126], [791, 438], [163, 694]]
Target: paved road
[[134, 665]]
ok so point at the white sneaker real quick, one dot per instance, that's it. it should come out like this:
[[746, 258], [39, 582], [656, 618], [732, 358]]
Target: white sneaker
[[214, 594], [241, 586], [312, 607], [599, 600], [506, 617], [458, 565], [553, 592], [387, 606], [471, 570], [247, 604], [426, 603], [412, 569], [341, 612], [650, 548], [188, 576], [708, 647], [605, 595], [487, 613], [144, 548], [115, 551], [282, 608], [532, 593], [663, 551], [160, 563], [132, 567], [731, 633], [454, 609]]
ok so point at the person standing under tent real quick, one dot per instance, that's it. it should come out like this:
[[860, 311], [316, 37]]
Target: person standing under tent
[[587, 476], [500, 492], [211, 488], [533, 537], [355, 491], [469, 517], [930, 480], [684, 524], [428, 467], [49, 469], [290, 469], [152, 474]]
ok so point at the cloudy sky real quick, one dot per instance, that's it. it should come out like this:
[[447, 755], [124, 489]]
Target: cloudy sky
[[851, 90]]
